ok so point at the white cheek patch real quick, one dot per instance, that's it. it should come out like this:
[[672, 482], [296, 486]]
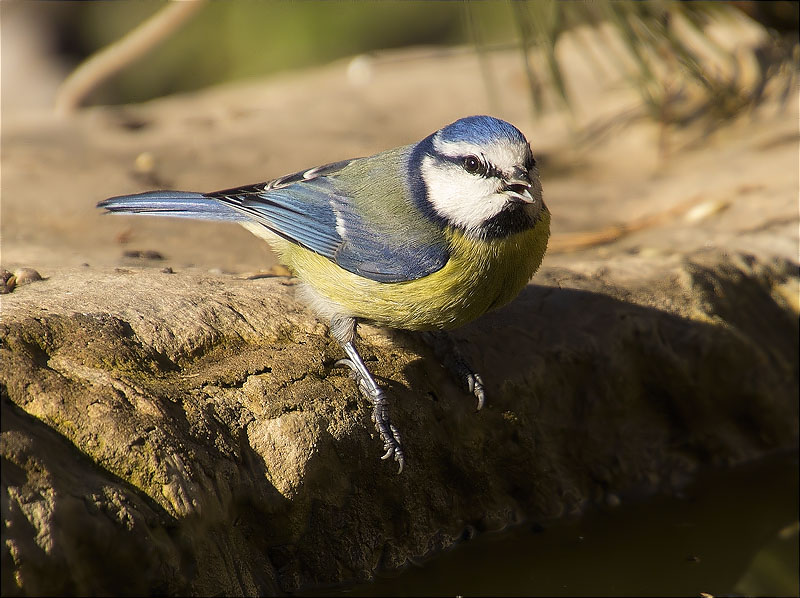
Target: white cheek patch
[[464, 199]]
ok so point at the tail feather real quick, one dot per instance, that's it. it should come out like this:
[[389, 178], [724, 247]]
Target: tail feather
[[177, 204]]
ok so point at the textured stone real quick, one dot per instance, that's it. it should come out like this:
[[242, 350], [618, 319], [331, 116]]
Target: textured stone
[[188, 433]]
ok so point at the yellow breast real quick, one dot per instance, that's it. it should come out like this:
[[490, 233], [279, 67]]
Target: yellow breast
[[479, 276]]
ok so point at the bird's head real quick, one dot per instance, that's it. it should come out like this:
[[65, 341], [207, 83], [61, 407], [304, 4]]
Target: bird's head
[[478, 174]]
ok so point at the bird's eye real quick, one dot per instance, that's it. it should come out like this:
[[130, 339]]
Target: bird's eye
[[473, 165]]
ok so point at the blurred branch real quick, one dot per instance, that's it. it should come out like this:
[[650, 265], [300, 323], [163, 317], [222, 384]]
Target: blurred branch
[[113, 58], [541, 23], [477, 38], [669, 47], [691, 210]]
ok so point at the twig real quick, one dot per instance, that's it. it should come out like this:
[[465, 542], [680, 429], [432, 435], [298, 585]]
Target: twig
[[113, 58], [569, 242]]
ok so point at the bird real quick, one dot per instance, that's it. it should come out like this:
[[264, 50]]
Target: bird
[[424, 237]]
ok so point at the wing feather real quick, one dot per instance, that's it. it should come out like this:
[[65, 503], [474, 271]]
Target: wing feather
[[343, 218], [317, 210]]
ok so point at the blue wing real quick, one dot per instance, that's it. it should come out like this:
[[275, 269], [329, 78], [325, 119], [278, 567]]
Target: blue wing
[[309, 208]]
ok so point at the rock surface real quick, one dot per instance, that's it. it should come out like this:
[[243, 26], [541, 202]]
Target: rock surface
[[180, 430], [185, 433]]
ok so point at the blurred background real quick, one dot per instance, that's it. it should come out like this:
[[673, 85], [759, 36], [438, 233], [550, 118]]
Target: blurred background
[[633, 108], [227, 41]]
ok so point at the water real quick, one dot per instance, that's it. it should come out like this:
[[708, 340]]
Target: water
[[733, 532]]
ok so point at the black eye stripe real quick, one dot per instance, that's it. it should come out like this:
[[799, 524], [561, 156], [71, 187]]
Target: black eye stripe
[[476, 165], [486, 169]]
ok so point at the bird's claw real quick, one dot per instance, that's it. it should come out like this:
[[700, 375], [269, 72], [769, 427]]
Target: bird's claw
[[475, 387], [380, 415], [447, 351], [344, 362], [389, 433]]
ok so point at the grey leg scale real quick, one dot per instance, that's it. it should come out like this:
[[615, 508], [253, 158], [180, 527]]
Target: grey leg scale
[[343, 329], [445, 349]]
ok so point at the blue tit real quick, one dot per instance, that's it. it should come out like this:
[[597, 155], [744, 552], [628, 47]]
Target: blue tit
[[426, 236]]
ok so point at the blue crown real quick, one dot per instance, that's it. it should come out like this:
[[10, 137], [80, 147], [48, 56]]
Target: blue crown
[[480, 130]]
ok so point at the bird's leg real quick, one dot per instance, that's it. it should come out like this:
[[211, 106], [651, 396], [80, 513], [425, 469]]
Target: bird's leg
[[343, 329], [445, 349]]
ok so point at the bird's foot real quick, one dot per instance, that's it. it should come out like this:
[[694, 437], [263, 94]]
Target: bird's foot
[[445, 349], [474, 384], [380, 413]]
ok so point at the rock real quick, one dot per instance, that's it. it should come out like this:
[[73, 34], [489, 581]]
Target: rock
[[26, 276], [189, 433]]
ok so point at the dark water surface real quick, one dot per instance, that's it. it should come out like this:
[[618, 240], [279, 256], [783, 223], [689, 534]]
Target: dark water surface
[[733, 532]]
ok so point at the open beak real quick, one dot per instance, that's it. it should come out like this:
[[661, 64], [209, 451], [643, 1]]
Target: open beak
[[519, 189]]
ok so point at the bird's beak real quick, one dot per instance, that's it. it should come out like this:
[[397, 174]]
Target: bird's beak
[[518, 188]]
